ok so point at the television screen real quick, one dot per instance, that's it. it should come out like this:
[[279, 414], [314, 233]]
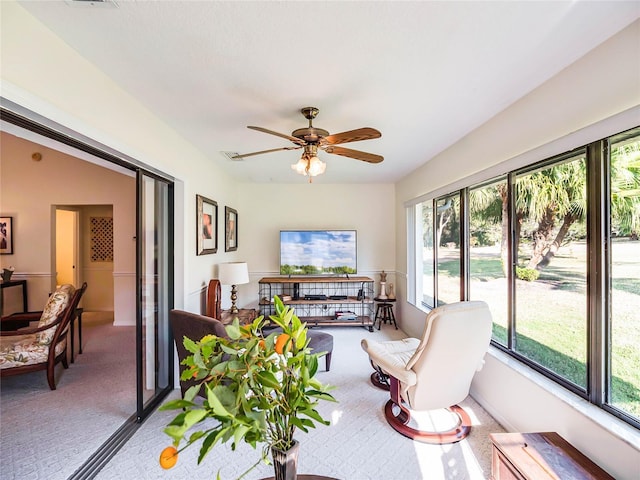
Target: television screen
[[318, 252]]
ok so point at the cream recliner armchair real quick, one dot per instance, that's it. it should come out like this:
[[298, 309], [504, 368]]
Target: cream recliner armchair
[[434, 372]]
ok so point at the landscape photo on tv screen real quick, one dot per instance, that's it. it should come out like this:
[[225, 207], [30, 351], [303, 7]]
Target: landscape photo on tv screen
[[318, 252]]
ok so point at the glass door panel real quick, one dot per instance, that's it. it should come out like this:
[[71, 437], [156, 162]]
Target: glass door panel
[[155, 284]]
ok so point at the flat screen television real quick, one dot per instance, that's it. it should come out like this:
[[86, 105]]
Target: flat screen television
[[318, 252]]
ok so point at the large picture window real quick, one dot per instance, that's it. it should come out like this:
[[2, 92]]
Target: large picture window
[[488, 252], [554, 249], [625, 273], [551, 268]]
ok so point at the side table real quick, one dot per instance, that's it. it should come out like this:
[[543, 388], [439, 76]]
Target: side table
[[384, 312], [518, 456], [245, 315]]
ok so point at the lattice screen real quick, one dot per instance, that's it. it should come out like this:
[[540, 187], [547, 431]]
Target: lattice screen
[[101, 239]]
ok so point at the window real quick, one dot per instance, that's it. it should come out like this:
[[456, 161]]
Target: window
[[551, 268], [624, 204], [424, 225], [488, 252], [554, 250], [448, 248]]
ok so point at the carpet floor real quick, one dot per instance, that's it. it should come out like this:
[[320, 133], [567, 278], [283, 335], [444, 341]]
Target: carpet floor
[[48, 434], [358, 445]]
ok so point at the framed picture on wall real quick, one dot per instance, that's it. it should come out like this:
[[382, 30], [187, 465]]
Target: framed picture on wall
[[6, 235], [231, 229], [206, 225]]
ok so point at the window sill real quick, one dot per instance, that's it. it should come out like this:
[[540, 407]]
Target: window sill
[[612, 424]]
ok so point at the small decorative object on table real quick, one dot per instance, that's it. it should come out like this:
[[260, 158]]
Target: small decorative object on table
[[383, 282], [259, 389], [6, 274]]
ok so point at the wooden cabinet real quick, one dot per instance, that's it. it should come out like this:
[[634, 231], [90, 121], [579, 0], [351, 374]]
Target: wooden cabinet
[[527, 456], [319, 300]]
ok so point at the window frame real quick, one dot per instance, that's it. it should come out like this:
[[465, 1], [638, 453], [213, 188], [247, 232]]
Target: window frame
[[598, 267]]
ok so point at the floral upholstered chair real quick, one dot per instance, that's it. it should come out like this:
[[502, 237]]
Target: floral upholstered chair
[[41, 347]]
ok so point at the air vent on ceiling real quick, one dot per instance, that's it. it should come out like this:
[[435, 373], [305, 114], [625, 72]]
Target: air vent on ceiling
[[230, 155], [92, 3]]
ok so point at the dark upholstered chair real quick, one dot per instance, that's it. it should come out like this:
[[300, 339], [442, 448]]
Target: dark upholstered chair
[[194, 327], [42, 347], [434, 372]]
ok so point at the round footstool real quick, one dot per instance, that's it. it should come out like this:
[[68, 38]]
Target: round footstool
[[321, 342]]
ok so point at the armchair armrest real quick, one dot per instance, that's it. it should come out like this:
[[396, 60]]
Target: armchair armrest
[[29, 330], [388, 362], [25, 316]]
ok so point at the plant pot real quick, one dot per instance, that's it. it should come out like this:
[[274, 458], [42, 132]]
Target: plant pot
[[285, 463]]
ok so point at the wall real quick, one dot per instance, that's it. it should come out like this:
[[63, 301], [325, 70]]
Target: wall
[[265, 209], [29, 191], [78, 96], [595, 97]]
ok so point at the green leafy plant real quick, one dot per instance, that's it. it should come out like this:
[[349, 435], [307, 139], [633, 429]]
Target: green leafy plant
[[258, 389]]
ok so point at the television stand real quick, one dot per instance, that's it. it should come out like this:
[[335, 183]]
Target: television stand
[[317, 299]]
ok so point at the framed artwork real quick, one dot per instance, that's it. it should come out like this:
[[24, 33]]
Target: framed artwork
[[6, 235], [206, 225], [231, 229]]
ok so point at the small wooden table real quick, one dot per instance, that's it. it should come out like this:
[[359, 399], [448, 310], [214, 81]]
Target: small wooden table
[[245, 315], [546, 455], [14, 283]]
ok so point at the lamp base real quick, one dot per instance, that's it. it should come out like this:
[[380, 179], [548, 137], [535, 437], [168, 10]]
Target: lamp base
[[234, 297]]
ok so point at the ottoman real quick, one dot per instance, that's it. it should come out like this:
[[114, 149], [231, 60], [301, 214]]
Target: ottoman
[[318, 342], [321, 342]]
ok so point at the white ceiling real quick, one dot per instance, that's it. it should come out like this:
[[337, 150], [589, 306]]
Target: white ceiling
[[423, 73]]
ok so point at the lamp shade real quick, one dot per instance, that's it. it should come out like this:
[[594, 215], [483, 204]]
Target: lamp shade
[[234, 273]]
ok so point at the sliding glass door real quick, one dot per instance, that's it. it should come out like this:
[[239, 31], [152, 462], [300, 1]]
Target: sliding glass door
[[155, 287]]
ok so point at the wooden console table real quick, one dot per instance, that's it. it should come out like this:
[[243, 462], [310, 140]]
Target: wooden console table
[[245, 315], [546, 455], [14, 283]]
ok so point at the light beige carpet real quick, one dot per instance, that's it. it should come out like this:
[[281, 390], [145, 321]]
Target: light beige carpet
[[47, 434], [358, 445]]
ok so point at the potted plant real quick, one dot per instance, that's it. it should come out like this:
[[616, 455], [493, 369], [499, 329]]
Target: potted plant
[[258, 390]]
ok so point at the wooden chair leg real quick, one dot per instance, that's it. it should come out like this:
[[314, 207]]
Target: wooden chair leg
[[51, 375]]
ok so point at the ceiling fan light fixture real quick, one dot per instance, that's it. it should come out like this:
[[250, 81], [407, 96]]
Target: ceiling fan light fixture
[[316, 167], [301, 166]]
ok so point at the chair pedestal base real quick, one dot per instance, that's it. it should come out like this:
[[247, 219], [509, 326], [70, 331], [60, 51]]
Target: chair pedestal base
[[400, 423], [380, 380]]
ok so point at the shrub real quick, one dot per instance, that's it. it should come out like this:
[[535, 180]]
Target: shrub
[[528, 274]]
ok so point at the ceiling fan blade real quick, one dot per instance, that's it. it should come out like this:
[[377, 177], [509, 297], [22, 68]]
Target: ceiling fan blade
[[352, 136], [347, 152], [283, 135], [237, 157]]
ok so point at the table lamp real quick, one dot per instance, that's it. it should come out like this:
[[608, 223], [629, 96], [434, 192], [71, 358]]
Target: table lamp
[[234, 273]]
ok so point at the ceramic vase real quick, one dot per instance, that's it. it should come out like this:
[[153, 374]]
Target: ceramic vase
[[285, 463], [6, 275]]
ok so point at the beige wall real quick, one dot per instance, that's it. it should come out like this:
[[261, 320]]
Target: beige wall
[[597, 96], [265, 209], [30, 191]]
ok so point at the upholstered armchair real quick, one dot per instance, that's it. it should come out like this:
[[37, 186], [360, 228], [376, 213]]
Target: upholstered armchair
[[434, 372], [44, 346], [194, 327]]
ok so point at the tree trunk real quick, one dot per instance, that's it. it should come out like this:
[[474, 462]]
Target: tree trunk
[[541, 237], [568, 220]]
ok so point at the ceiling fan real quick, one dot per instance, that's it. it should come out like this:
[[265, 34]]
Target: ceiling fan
[[311, 139]]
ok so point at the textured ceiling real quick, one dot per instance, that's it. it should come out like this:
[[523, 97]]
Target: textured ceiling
[[423, 73]]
